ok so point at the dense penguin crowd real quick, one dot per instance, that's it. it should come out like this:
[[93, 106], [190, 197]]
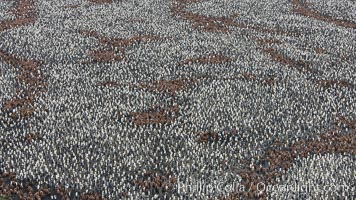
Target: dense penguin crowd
[[181, 99]]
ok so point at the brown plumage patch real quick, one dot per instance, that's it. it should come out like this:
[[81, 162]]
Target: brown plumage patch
[[217, 24], [299, 65], [89, 33], [108, 84], [25, 14], [335, 83], [110, 44], [278, 157], [154, 181], [30, 76], [155, 115], [27, 190], [168, 86], [204, 137], [24, 8], [32, 137], [319, 50], [304, 10], [126, 42]]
